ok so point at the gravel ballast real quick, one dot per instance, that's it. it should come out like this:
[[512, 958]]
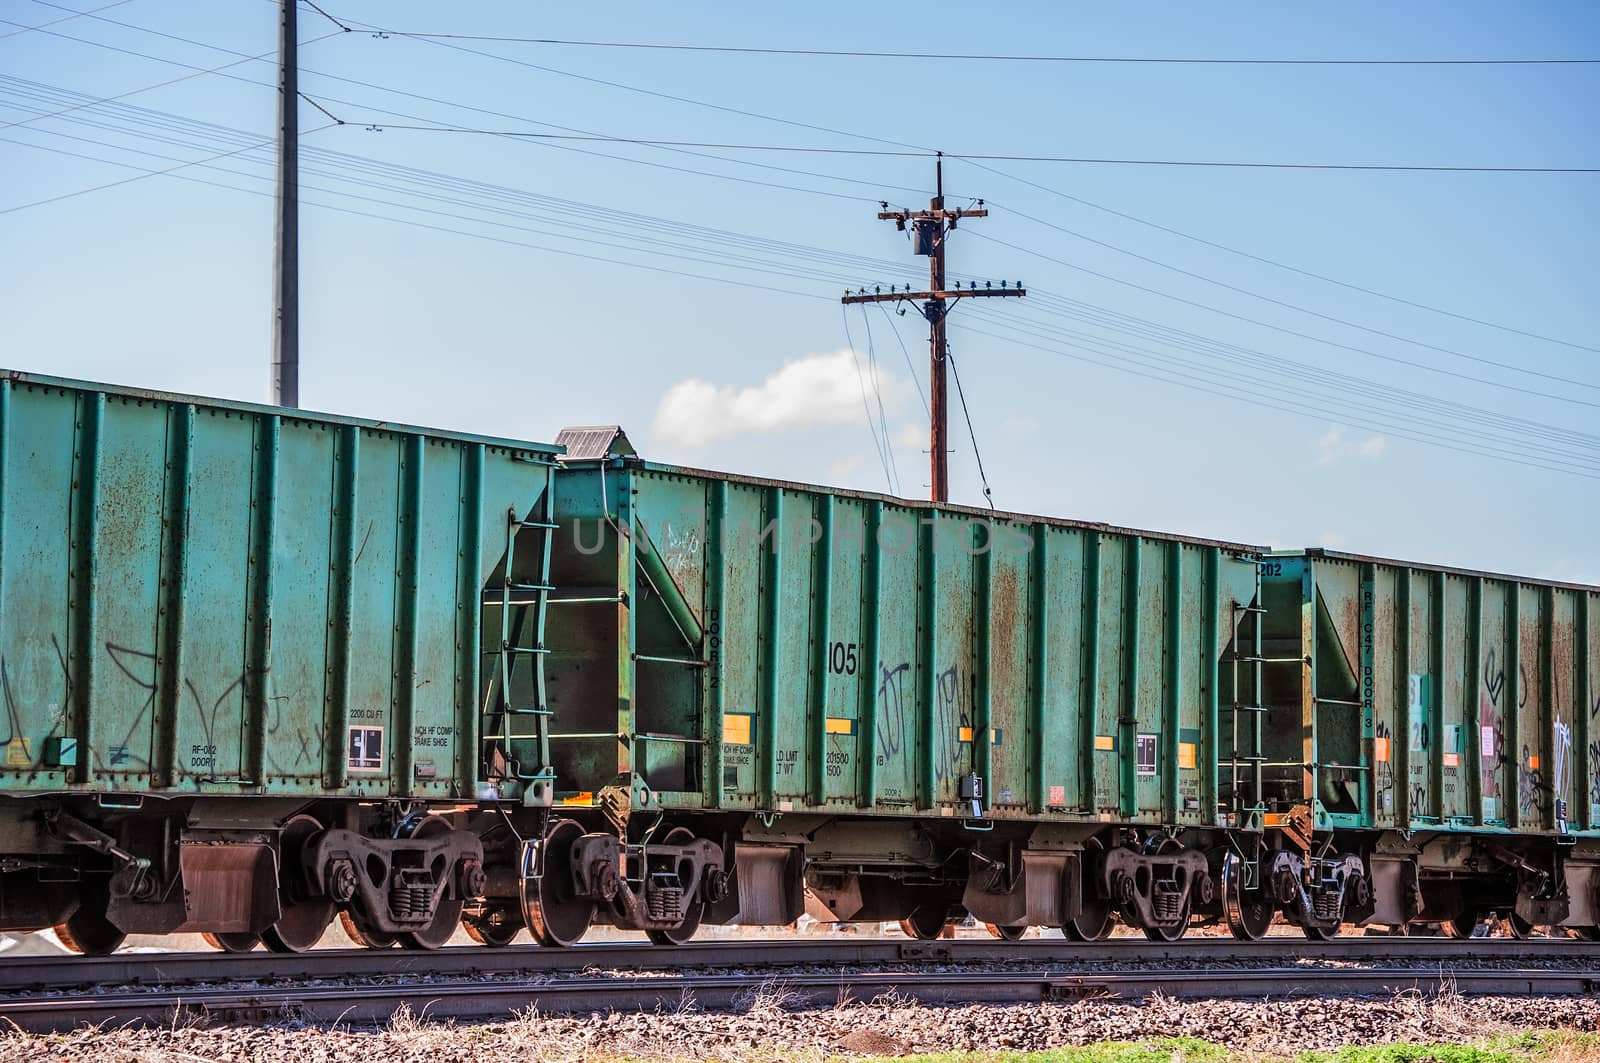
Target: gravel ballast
[[767, 1030]]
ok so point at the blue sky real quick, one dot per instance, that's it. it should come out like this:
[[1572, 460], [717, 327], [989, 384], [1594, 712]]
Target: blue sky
[[1149, 379]]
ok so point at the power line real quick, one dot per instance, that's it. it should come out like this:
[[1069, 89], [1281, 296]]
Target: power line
[[877, 393], [1274, 401], [988, 494], [845, 133], [971, 156], [1319, 410], [844, 314], [1291, 332], [1302, 309], [1279, 264], [66, 18], [982, 57], [911, 369]]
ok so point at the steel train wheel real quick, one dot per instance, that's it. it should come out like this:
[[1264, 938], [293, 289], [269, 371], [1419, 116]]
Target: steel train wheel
[[494, 927], [925, 923], [1586, 933], [1248, 912], [356, 929], [300, 922], [447, 916], [555, 914], [1097, 917], [87, 931], [1518, 927], [242, 941], [1462, 925], [1006, 933], [1321, 933]]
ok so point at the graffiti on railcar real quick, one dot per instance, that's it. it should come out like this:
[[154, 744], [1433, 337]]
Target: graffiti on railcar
[[1383, 753], [952, 722], [892, 712], [1492, 751], [197, 761]]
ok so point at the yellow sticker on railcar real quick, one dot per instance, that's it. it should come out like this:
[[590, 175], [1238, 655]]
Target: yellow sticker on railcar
[[840, 725], [585, 797], [965, 734], [736, 728], [1188, 754], [1105, 743], [1380, 750]]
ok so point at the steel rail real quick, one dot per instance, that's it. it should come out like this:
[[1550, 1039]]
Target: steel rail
[[487, 1000], [34, 973]]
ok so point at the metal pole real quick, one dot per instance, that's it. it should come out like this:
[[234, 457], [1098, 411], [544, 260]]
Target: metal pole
[[286, 236], [938, 446]]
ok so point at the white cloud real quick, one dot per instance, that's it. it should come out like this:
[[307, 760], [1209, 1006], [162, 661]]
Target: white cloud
[[1333, 447], [819, 389], [914, 436]]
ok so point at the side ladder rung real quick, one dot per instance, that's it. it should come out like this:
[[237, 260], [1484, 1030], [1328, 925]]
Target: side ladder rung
[[534, 524], [523, 649], [527, 712]]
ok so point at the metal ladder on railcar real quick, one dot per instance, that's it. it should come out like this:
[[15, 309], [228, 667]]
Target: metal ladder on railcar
[[519, 641], [1252, 708]]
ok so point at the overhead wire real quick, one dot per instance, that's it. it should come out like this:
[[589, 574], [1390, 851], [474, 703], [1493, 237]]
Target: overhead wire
[[788, 254], [988, 493], [877, 391], [1276, 263], [888, 478], [916, 377], [880, 308], [65, 18], [988, 57], [1554, 396], [1285, 304], [846, 133]]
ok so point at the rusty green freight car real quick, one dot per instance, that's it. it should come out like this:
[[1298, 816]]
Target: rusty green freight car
[[226, 630], [263, 668]]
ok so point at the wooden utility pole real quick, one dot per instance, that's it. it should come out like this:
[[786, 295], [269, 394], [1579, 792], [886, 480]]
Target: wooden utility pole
[[929, 229], [286, 245]]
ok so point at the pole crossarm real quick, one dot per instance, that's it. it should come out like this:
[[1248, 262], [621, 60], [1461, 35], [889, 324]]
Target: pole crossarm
[[922, 297]]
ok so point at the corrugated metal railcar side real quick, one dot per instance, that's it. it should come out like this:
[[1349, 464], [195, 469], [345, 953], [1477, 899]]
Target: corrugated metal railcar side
[[1477, 696], [786, 648], [214, 597]]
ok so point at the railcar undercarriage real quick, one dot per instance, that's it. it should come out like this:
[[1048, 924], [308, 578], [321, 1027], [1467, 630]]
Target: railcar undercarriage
[[396, 874]]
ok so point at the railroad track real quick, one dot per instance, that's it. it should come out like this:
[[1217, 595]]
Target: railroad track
[[367, 986]]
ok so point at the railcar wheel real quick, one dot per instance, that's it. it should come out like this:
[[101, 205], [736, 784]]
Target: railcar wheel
[[1462, 925], [447, 916], [926, 922], [1321, 933], [300, 922], [1006, 933], [1587, 933], [495, 927], [87, 931], [1096, 917], [367, 937], [1518, 927], [681, 933], [243, 941], [556, 915], [1249, 912]]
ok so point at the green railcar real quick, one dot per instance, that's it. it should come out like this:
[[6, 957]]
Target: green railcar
[[264, 668], [790, 649], [214, 613]]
